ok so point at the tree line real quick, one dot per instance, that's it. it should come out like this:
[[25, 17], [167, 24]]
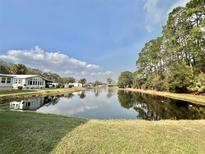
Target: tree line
[[174, 61], [7, 68]]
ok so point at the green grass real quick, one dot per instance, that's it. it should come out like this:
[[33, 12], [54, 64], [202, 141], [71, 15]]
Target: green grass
[[3, 92], [33, 133], [37, 91], [144, 137], [42, 133]]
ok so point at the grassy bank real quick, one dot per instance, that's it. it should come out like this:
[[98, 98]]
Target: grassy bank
[[33, 133], [22, 94], [40, 133], [196, 99], [144, 137]]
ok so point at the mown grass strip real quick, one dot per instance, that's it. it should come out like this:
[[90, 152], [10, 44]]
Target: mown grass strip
[[24, 94]]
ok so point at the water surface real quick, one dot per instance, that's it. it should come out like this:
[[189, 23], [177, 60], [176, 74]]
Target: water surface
[[111, 104]]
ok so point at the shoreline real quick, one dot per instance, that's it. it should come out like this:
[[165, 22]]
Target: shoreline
[[36, 93], [195, 99], [18, 95]]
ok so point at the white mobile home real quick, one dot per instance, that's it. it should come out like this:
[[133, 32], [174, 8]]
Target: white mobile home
[[70, 85], [28, 82], [10, 81], [6, 82]]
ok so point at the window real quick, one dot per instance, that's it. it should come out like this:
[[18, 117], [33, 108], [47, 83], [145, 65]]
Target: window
[[19, 81], [3, 80], [8, 80], [34, 81], [29, 82]]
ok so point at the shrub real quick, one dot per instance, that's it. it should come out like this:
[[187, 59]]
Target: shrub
[[125, 80], [179, 77], [20, 87]]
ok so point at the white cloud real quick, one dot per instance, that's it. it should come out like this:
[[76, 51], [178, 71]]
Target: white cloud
[[56, 62], [156, 14], [181, 3], [153, 13], [148, 28]]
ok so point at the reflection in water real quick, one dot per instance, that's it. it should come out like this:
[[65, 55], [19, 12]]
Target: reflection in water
[[82, 95], [68, 95], [33, 104], [110, 104], [97, 92], [110, 92], [156, 108]]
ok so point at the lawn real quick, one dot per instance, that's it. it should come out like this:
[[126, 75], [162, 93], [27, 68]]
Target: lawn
[[37, 91], [22, 132], [143, 137], [41, 133], [6, 92]]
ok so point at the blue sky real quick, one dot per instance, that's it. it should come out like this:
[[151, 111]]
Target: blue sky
[[100, 38]]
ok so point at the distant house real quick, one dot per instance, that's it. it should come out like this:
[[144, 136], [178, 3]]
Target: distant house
[[71, 85], [53, 85], [6, 82]]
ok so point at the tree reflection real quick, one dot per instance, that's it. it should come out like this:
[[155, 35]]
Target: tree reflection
[[97, 92], [155, 108], [110, 92], [70, 95], [51, 100], [82, 95], [126, 99]]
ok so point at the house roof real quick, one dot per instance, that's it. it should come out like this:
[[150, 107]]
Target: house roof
[[5, 75], [30, 76], [19, 76], [24, 76]]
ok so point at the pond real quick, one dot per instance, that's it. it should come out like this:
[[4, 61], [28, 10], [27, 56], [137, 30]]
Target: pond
[[111, 104]]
